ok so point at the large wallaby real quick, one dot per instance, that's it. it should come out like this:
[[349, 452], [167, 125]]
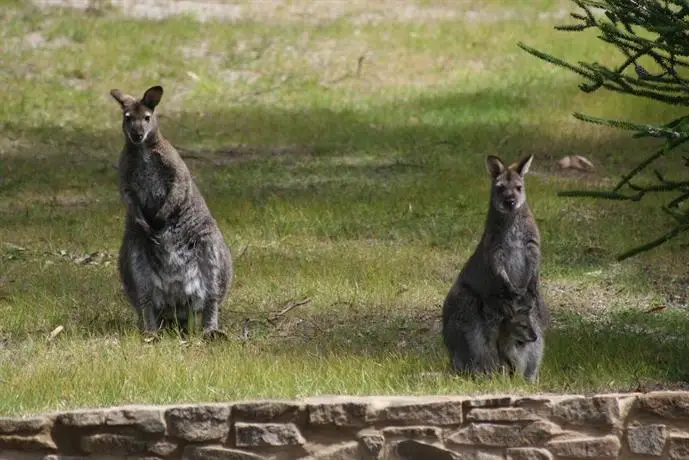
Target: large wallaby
[[503, 269], [173, 259]]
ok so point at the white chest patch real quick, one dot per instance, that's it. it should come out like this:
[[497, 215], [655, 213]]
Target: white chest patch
[[193, 284], [178, 282]]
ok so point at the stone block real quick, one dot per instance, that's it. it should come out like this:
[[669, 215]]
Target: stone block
[[82, 418], [679, 447], [198, 423], [162, 448], [147, 419], [528, 453], [438, 413], [24, 425], [665, 404], [31, 442], [111, 443], [599, 411], [487, 402], [345, 414], [588, 447], [74, 457], [267, 411], [372, 442], [217, 453], [414, 432], [504, 435], [502, 414], [267, 434], [345, 451], [647, 439]]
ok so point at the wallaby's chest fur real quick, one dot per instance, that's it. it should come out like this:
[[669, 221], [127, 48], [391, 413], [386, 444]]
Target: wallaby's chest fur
[[504, 244], [176, 276], [507, 246], [151, 179]]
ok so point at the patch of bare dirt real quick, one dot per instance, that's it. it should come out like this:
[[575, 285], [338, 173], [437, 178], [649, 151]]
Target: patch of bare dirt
[[60, 200], [594, 296], [233, 154], [357, 11], [671, 282], [37, 40]]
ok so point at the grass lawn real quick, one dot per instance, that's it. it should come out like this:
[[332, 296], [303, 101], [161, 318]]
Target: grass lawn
[[340, 146]]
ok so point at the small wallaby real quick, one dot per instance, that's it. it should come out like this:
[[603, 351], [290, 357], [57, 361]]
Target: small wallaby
[[520, 340], [173, 262], [504, 268]]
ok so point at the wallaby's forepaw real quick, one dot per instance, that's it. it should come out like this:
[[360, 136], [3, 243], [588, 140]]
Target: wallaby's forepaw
[[214, 334], [141, 222]]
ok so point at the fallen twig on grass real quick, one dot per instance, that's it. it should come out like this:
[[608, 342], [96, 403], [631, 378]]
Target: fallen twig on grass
[[270, 89], [290, 306], [348, 74], [55, 332]]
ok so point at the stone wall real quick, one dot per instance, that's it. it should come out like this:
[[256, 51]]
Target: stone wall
[[628, 426]]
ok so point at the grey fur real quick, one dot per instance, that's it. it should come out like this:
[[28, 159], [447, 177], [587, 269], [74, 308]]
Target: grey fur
[[502, 271], [173, 258], [520, 340]]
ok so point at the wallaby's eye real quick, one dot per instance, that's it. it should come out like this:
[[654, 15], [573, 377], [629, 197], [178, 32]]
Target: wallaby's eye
[[127, 115], [518, 188], [147, 117], [500, 187]]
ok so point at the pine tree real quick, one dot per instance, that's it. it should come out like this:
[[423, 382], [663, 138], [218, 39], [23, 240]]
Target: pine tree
[[657, 31]]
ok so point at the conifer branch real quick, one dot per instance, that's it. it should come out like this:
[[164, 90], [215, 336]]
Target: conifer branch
[[656, 31], [655, 243]]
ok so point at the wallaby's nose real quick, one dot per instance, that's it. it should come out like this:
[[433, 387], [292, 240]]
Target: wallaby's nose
[[510, 203], [532, 336], [136, 137]]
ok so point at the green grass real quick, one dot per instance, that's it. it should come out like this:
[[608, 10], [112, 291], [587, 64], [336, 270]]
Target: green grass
[[361, 192]]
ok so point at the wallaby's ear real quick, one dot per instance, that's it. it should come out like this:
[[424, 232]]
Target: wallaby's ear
[[121, 98], [152, 97], [523, 166], [495, 166]]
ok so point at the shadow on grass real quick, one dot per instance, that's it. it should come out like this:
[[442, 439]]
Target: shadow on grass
[[621, 351], [472, 123], [625, 351], [416, 145]]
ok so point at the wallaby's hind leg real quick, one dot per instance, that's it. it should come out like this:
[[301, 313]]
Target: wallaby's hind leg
[[210, 315], [150, 319], [209, 319], [138, 287], [484, 358], [466, 333], [127, 280], [485, 364], [215, 268]]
